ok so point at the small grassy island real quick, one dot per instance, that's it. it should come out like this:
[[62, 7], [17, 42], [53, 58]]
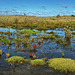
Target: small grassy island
[[16, 60], [62, 64], [38, 62]]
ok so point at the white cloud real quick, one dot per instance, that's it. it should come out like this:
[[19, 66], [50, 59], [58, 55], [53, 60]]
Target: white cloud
[[73, 11], [18, 11]]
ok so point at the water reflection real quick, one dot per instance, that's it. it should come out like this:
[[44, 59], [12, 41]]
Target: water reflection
[[45, 48]]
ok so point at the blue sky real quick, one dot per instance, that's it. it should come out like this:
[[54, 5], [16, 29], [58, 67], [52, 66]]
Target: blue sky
[[37, 7]]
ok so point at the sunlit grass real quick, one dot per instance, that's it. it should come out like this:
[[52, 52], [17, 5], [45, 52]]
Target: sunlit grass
[[16, 60], [62, 64], [38, 62], [18, 21]]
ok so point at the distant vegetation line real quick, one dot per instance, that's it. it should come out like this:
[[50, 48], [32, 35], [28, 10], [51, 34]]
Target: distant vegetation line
[[23, 20]]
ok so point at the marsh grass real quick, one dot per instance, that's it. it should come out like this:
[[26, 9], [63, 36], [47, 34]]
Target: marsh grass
[[67, 33], [63, 42], [43, 27], [20, 21], [51, 36]]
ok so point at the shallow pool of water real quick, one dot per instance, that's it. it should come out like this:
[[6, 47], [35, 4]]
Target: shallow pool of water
[[48, 47]]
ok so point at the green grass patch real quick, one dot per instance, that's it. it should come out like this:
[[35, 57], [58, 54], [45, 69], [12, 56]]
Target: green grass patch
[[16, 60], [62, 64], [28, 31], [38, 62]]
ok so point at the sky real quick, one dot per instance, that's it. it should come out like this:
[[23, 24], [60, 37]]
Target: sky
[[37, 7]]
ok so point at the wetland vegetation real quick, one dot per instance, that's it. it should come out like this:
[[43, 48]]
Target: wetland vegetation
[[38, 42]]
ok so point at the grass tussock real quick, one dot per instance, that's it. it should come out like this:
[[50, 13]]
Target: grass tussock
[[38, 62], [16, 60], [62, 64]]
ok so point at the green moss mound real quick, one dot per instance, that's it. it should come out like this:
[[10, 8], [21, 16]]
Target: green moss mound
[[28, 31], [62, 64], [16, 60], [38, 62]]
